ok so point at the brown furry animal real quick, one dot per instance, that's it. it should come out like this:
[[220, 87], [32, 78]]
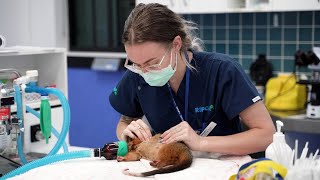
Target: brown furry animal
[[166, 157]]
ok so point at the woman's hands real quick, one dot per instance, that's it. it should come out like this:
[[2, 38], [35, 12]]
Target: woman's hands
[[182, 132], [137, 129]]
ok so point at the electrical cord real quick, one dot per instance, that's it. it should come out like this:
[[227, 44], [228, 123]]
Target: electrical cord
[[16, 164], [4, 150]]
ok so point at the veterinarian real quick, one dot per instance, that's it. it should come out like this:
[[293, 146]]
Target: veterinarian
[[181, 89]]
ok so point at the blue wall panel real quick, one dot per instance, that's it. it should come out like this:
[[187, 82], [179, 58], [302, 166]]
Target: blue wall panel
[[93, 120]]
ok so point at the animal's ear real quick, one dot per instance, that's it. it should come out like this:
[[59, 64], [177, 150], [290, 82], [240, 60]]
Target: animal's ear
[[136, 141], [133, 143]]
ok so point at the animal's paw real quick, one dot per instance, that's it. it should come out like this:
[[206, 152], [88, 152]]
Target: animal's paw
[[128, 173], [154, 163], [159, 164], [121, 158]]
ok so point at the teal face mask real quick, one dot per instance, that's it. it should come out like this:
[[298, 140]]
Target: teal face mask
[[160, 77]]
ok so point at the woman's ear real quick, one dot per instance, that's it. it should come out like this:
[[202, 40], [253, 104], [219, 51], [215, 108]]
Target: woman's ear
[[177, 43]]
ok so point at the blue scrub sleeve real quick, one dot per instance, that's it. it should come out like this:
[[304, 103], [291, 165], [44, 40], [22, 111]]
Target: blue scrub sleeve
[[238, 92], [124, 97]]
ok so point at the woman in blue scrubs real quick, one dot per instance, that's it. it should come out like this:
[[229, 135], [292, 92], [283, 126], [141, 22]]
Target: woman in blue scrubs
[[180, 90]]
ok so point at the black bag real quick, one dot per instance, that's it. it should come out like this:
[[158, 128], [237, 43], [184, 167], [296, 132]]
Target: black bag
[[261, 70]]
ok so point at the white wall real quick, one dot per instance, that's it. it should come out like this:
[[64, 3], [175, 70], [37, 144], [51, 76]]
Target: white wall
[[34, 22]]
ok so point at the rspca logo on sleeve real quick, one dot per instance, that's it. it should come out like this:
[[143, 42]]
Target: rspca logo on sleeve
[[203, 108], [115, 91]]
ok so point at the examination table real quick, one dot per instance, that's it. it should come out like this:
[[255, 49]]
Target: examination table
[[210, 167]]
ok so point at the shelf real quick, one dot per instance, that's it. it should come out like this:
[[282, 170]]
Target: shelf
[[236, 6], [234, 10], [96, 54], [51, 64], [35, 105], [300, 123], [28, 50]]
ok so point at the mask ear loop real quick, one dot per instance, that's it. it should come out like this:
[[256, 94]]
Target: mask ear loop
[[171, 59], [176, 61], [175, 68]]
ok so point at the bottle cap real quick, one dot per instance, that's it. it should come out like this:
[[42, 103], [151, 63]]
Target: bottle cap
[[279, 136], [122, 148]]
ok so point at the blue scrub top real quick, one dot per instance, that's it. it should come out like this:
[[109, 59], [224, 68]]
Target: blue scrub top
[[219, 90]]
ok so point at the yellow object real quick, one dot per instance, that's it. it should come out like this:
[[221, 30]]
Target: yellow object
[[284, 93], [266, 167]]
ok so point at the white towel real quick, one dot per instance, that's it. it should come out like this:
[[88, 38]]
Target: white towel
[[101, 169], [205, 168]]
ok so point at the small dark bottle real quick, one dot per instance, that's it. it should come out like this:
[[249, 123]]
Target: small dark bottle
[[111, 150]]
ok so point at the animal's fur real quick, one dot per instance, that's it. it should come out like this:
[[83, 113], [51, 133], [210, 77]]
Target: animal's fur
[[166, 157]]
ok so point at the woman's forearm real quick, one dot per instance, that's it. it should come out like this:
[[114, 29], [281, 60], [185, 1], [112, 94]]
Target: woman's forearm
[[253, 140], [122, 124]]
